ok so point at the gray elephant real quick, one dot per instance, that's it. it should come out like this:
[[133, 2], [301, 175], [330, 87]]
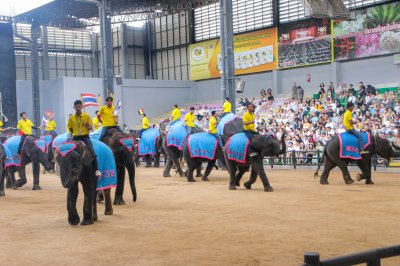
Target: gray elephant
[[332, 158], [2, 170], [240, 162]]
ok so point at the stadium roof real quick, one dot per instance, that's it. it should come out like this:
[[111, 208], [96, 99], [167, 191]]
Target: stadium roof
[[78, 13]]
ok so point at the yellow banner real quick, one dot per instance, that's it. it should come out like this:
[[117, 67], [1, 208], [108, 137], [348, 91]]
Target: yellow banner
[[254, 52]]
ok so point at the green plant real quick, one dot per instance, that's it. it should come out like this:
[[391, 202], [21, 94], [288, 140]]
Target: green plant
[[382, 15]]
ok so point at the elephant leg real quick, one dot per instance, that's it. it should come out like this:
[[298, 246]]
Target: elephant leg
[[107, 202], [2, 177], [136, 160], [148, 161], [232, 175], [10, 178], [119, 191], [252, 180], [157, 160], [259, 168], [328, 166], [192, 166], [22, 177], [167, 168], [99, 196], [178, 166], [365, 167], [198, 171], [239, 175], [130, 166], [345, 171], [209, 167], [89, 194], [36, 174], [72, 196]]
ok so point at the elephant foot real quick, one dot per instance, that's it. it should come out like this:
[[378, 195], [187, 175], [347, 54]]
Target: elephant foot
[[368, 182], [324, 182], [237, 183], [87, 221], [199, 175], [191, 180], [182, 174], [109, 212], [119, 201], [137, 164], [74, 220], [95, 218], [18, 184], [36, 187], [166, 175], [100, 196], [156, 166], [360, 177], [2, 193], [349, 181], [268, 189], [147, 166], [232, 187], [247, 185], [205, 179]]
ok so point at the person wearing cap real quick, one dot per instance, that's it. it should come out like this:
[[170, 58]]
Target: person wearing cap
[[189, 121], [348, 125], [25, 125], [107, 118], [227, 108]]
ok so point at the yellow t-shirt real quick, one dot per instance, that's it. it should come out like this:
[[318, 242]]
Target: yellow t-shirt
[[176, 114], [107, 116], [247, 117], [25, 126], [189, 119], [1, 124], [348, 117], [78, 124], [227, 107], [96, 123], [212, 125], [145, 122], [51, 125]]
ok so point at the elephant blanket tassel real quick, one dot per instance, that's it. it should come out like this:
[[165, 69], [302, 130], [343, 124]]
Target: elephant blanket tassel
[[202, 145], [175, 135], [237, 147], [147, 143], [349, 145]]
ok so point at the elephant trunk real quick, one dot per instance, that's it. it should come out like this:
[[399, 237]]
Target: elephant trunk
[[283, 150], [130, 165]]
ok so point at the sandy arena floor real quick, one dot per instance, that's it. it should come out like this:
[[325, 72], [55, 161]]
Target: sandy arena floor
[[179, 223]]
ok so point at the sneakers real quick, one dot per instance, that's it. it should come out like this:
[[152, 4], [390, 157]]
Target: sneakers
[[253, 154], [364, 152], [98, 173], [138, 139]]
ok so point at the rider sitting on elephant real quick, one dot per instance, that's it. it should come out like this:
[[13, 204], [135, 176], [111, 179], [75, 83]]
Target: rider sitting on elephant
[[107, 118], [249, 127], [51, 127], [96, 122], [189, 121], [348, 125], [227, 108], [212, 128], [25, 125], [79, 125], [175, 116], [145, 126]]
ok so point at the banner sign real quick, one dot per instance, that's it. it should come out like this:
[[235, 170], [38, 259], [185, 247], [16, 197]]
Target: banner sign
[[304, 43], [373, 31], [254, 52]]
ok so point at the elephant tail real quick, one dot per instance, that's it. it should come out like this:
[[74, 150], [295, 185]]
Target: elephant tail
[[320, 163]]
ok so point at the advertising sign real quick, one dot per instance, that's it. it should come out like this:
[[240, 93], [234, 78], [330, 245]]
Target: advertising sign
[[254, 52], [304, 43], [371, 32]]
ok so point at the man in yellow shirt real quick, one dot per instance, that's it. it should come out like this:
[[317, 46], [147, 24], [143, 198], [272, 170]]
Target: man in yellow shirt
[[79, 125], [189, 121], [212, 128], [25, 125], [145, 125], [107, 118], [227, 108], [1, 127], [249, 127], [176, 115], [348, 125], [51, 127], [96, 122]]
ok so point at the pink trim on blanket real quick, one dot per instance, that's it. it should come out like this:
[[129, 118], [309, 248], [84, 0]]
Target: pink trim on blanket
[[234, 159], [106, 187], [203, 157], [126, 147], [172, 144], [40, 148], [61, 153], [352, 157], [20, 157]]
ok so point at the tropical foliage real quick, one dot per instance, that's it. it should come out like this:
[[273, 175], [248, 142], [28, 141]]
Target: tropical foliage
[[383, 15]]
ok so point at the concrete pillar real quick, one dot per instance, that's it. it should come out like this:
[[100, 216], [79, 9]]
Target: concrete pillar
[[223, 48], [45, 54], [95, 53], [336, 72], [277, 81], [108, 46], [124, 51], [35, 35]]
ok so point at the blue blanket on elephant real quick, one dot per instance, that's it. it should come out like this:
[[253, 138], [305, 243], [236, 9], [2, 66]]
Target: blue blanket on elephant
[[96, 134], [176, 134], [105, 161], [60, 139], [127, 142], [237, 147], [349, 145], [148, 140], [202, 145], [225, 120], [13, 158], [48, 139]]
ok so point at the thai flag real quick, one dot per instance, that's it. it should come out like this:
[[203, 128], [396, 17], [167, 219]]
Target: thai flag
[[117, 107], [89, 99]]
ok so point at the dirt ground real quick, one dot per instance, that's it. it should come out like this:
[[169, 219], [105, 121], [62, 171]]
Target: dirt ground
[[178, 223]]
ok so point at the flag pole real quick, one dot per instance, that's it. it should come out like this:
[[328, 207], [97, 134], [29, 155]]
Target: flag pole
[[84, 110]]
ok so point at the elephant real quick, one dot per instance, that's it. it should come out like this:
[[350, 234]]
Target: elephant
[[2, 170], [79, 166], [268, 145], [331, 159], [30, 154], [49, 137], [155, 156], [124, 159]]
